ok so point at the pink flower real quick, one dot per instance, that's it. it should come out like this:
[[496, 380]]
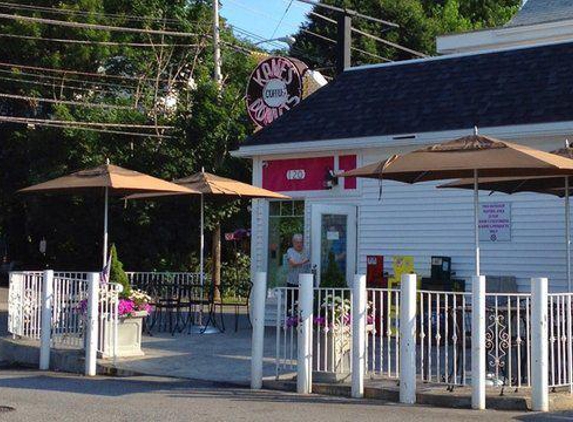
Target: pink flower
[[125, 307]]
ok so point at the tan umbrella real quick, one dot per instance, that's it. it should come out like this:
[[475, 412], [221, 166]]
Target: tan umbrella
[[207, 184], [552, 185], [113, 180], [470, 156]]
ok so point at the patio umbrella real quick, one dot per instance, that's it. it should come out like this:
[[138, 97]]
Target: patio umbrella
[[472, 156], [110, 179], [213, 186], [553, 185]]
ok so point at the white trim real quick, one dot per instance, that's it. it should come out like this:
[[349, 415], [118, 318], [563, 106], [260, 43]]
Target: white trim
[[537, 130], [506, 37]]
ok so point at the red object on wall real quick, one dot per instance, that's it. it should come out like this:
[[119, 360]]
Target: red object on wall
[[297, 174], [345, 163], [375, 271]]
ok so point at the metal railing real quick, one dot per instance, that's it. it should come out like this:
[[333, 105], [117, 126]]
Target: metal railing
[[287, 318], [108, 320], [70, 296], [443, 324], [25, 304], [332, 327], [382, 333], [560, 326]]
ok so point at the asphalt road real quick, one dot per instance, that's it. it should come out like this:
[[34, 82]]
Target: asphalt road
[[38, 396]]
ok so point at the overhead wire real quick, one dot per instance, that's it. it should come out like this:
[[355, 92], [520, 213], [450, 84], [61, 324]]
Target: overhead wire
[[21, 6], [98, 27], [9, 119], [90, 42], [91, 124], [67, 102]]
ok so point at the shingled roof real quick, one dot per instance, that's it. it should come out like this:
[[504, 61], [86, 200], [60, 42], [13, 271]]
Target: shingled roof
[[522, 86], [542, 11]]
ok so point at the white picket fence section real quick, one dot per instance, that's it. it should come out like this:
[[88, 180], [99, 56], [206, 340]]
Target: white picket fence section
[[25, 304], [442, 338], [382, 333], [69, 304], [69, 301]]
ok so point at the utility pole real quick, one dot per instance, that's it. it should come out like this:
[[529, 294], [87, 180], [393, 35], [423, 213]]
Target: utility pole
[[216, 245], [216, 44], [343, 42]]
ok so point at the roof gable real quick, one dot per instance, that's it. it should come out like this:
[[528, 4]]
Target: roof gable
[[521, 86]]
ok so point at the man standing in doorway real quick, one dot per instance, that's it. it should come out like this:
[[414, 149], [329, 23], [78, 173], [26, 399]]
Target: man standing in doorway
[[298, 263]]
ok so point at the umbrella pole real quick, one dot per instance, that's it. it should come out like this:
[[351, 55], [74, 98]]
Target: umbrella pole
[[568, 233], [105, 224], [476, 221], [202, 243]]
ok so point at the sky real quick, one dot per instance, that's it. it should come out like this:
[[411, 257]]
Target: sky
[[262, 17]]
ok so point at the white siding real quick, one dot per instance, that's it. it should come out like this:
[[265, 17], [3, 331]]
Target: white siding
[[421, 221]]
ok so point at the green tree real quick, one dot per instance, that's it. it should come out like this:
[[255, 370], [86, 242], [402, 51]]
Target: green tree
[[117, 273], [160, 235], [420, 22]]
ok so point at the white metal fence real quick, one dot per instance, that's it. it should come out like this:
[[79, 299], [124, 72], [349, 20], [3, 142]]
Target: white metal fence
[[382, 333], [69, 304], [443, 336], [25, 304], [560, 324], [68, 312]]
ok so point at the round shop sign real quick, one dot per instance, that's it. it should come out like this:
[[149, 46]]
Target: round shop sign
[[275, 86]]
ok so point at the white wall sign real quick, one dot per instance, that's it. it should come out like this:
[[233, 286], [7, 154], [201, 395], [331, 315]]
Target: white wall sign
[[296, 175], [495, 222]]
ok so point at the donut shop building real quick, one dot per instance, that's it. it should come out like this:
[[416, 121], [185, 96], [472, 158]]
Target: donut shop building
[[514, 83]]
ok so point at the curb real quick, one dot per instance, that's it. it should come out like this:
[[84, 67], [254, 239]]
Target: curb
[[557, 401]]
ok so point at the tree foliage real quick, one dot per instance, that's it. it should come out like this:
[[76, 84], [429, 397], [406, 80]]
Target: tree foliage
[[142, 80], [420, 22]]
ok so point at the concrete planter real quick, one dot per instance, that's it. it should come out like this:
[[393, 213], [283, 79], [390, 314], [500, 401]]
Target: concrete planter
[[129, 331]]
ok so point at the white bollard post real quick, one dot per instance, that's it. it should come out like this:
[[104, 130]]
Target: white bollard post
[[359, 315], [92, 324], [46, 321], [258, 340], [408, 339], [539, 346], [478, 342], [305, 303]]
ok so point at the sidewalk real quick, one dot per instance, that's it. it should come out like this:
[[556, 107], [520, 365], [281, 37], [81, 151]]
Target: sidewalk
[[223, 357]]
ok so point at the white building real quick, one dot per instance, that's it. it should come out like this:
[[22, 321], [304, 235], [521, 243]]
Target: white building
[[514, 83]]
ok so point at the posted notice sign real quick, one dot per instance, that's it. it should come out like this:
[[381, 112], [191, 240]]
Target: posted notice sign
[[495, 222]]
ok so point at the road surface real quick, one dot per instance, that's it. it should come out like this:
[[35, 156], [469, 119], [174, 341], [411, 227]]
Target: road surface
[[38, 396]]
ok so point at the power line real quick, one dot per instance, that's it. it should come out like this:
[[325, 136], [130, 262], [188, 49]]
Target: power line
[[8, 119], [390, 43], [98, 26], [88, 124], [88, 42], [350, 13], [374, 37], [282, 18], [55, 84], [314, 34], [67, 102], [59, 80], [19, 6], [76, 72]]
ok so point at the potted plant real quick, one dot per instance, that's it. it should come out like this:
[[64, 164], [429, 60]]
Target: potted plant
[[133, 307]]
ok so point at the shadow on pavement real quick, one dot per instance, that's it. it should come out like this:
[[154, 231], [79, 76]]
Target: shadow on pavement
[[549, 417], [114, 387]]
